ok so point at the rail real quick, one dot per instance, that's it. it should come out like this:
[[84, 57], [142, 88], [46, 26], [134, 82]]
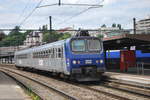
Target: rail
[[41, 83]]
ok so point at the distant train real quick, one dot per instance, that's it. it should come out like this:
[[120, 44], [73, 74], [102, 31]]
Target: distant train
[[113, 58], [79, 58]]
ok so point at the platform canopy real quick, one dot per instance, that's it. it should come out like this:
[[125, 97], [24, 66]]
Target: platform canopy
[[140, 41]]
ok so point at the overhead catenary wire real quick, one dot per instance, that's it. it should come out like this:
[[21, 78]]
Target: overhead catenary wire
[[24, 9], [70, 18], [91, 7], [22, 22], [68, 4]]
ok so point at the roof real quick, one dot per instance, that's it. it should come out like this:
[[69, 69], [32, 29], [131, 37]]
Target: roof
[[126, 40]]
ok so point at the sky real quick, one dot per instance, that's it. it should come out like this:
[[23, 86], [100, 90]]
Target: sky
[[13, 12]]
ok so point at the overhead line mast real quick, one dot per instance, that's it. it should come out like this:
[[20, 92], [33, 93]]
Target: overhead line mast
[[59, 2]]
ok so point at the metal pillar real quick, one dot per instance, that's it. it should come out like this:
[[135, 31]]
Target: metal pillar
[[134, 25]]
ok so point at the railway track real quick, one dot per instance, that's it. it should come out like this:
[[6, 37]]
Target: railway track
[[79, 92], [118, 93], [135, 89], [82, 92], [14, 75]]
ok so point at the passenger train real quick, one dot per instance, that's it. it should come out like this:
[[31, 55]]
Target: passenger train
[[113, 58], [78, 58]]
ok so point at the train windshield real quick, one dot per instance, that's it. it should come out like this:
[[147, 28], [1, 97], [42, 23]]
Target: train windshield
[[93, 45], [86, 45], [78, 45]]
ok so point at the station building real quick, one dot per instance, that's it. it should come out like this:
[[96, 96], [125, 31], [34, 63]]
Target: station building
[[143, 26]]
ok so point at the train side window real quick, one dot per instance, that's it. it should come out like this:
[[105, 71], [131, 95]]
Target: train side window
[[40, 54], [47, 53], [43, 54], [53, 51], [59, 53], [62, 51]]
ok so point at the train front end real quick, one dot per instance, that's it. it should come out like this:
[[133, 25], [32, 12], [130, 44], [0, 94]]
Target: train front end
[[85, 58]]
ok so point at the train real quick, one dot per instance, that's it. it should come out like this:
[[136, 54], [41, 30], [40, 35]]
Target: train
[[113, 58], [77, 58]]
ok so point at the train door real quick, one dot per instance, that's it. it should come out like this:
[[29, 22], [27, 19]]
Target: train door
[[60, 58], [127, 59]]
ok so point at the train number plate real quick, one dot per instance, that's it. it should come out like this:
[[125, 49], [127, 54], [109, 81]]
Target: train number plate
[[88, 61]]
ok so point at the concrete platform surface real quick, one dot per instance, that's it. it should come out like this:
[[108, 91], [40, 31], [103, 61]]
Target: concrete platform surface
[[9, 90], [141, 79]]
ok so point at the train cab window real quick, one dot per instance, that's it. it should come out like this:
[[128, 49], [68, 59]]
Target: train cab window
[[93, 45], [78, 45]]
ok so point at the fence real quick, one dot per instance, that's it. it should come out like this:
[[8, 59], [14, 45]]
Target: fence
[[141, 67]]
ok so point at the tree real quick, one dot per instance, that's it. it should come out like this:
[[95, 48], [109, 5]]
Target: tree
[[119, 26], [103, 26], [51, 37], [64, 36], [15, 31], [14, 38], [2, 35], [100, 36], [113, 25], [44, 29]]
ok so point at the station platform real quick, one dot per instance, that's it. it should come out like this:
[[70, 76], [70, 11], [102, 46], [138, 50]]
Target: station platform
[[142, 80], [9, 90]]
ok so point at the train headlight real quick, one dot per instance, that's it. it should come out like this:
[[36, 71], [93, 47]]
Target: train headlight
[[78, 62], [97, 61], [74, 62], [101, 61]]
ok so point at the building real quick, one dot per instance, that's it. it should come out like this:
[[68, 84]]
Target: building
[[143, 26], [33, 39], [69, 30], [110, 31]]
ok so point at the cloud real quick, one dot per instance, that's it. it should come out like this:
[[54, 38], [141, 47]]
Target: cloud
[[114, 11], [109, 2]]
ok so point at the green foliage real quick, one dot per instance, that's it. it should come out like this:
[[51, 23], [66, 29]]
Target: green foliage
[[103, 26], [64, 36], [14, 38], [2, 35], [113, 25], [44, 29], [55, 36], [51, 37], [100, 36], [119, 26]]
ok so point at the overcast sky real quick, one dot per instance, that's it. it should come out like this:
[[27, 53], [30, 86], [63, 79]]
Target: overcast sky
[[12, 12]]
